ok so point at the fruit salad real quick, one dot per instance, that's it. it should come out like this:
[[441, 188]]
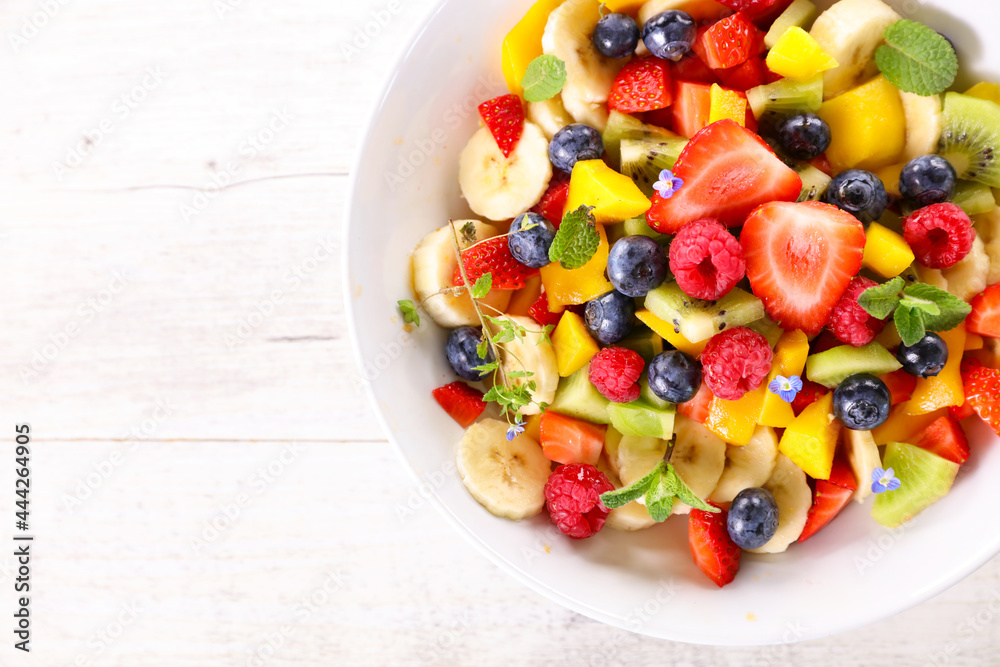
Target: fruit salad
[[735, 262]]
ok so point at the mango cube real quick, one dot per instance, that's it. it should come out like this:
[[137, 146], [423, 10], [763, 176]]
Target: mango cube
[[735, 421], [890, 178], [810, 441], [665, 330], [974, 342], [903, 423], [615, 197], [575, 286], [867, 125], [985, 91], [886, 252], [944, 389], [790, 356], [727, 104], [797, 55], [572, 344], [524, 43]]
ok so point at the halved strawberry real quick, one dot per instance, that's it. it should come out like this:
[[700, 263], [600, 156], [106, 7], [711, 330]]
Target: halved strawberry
[[697, 408], [728, 42], [901, 385], [728, 171], [504, 117], [493, 256], [642, 85], [692, 106], [751, 7], [945, 438], [960, 412], [693, 68], [800, 259], [714, 552], [982, 392], [985, 317], [462, 403], [553, 203], [831, 497], [749, 75], [810, 393], [823, 164], [540, 312]]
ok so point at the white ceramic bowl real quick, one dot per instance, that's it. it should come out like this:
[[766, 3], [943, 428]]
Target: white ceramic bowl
[[405, 184]]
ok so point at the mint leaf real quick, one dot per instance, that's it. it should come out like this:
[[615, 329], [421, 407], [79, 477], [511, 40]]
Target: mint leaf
[[952, 310], [577, 239], [916, 59], [482, 286], [544, 78], [409, 311], [922, 305], [910, 325], [879, 302], [660, 499], [686, 495], [634, 491]]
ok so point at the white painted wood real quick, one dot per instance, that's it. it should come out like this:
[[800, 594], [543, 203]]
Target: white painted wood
[[159, 358]]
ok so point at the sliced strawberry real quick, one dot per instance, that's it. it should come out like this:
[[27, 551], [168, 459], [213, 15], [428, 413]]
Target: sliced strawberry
[[553, 202], [661, 118], [763, 16], [540, 312], [504, 117], [749, 75], [829, 500], [493, 256], [823, 164], [728, 42], [642, 85], [901, 385], [714, 552], [982, 392], [945, 438], [800, 259], [823, 342], [692, 106], [462, 403], [960, 412], [811, 392], [752, 8], [985, 317], [728, 171], [569, 440], [697, 408], [693, 68]]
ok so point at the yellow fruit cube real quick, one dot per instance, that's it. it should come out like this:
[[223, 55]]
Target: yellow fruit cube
[[735, 421], [533, 427], [727, 104], [790, 356], [797, 55], [565, 287], [985, 91], [974, 342], [665, 330], [890, 178], [810, 441], [944, 389], [903, 423], [572, 344], [886, 252], [615, 197], [524, 43], [867, 125]]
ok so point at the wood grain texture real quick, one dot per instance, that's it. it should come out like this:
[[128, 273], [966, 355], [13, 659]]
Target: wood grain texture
[[173, 323]]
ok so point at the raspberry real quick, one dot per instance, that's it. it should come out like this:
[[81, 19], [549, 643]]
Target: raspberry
[[573, 496], [849, 322], [940, 235], [706, 259], [615, 371], [736, 361]]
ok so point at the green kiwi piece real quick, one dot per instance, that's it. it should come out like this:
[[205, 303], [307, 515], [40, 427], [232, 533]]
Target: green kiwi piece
[[835, 365], [814, 182], [577, 397], [974, 198], [925, 478], [623, 126], [787, 96], [642, 160], [699, 320], [970, 138], [799, 14], [638, 226]]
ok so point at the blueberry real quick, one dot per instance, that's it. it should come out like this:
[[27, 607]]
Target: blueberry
[[670, 34], [861, 402], [575, 142], [925, 358], [609, 317], [531, 246], [858, 192], [753, 518], [928, 179], [636, 265], [462, 354], [616, 36], [674, 376], [804, 136]]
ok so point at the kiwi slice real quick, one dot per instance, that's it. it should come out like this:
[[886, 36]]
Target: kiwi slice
[[639, 227], [622, 126], [642, 160], [970, 139], [699, 320], [814, 182], [974, 198], [787, 96], [832, 367], [643, 341], [577, 397], [925, 476], [800, 13]]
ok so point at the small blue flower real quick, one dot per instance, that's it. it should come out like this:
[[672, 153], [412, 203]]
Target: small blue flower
[[668, 184], [516, 429], [884, 480], [787, 388]]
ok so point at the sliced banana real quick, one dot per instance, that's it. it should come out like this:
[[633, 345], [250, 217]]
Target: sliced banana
[[862, 453], [791, 491], [434, 262], [699, 457], [700, 10], [506, 477], [748, 466], [568, 35], [988, 229], [968, 278], [630, 517], [499, 187], [635, 456], [550, 115], [850, 31], [933, 277], [536, 356], [924, 121]]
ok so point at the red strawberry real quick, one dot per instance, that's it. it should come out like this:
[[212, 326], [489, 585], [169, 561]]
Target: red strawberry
[[982, 392], [697, 407], [823, 342], [540, 312], [960, 412], [945, 438], [831, 497], [662, 118], [642, 85], [728, 42], [692, 105], [811, 392], [714, 552], [553, 202], [901, 385], [823, 164], [504, 117], [462, 403], [749, 75], [751, 7], [493, 256], [693, 68], [800, 260], [728, 171], [985, 317]]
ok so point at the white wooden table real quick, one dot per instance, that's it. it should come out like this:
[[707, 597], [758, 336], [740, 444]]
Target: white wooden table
[[208, 487]]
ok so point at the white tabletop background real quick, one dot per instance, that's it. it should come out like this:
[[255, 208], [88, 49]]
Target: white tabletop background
[[209, 486]]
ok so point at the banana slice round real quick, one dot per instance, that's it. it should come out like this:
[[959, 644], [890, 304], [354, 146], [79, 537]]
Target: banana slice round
[[550, 115], [849, 32], [535, 355], [862, 453], [988, 229], [630, 517], [700, 10], [791, 491], [506, 477], [748, 466], [635, 456], [434, 262], [499, 187], [699, 457], [924, 122], [968, 278]]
